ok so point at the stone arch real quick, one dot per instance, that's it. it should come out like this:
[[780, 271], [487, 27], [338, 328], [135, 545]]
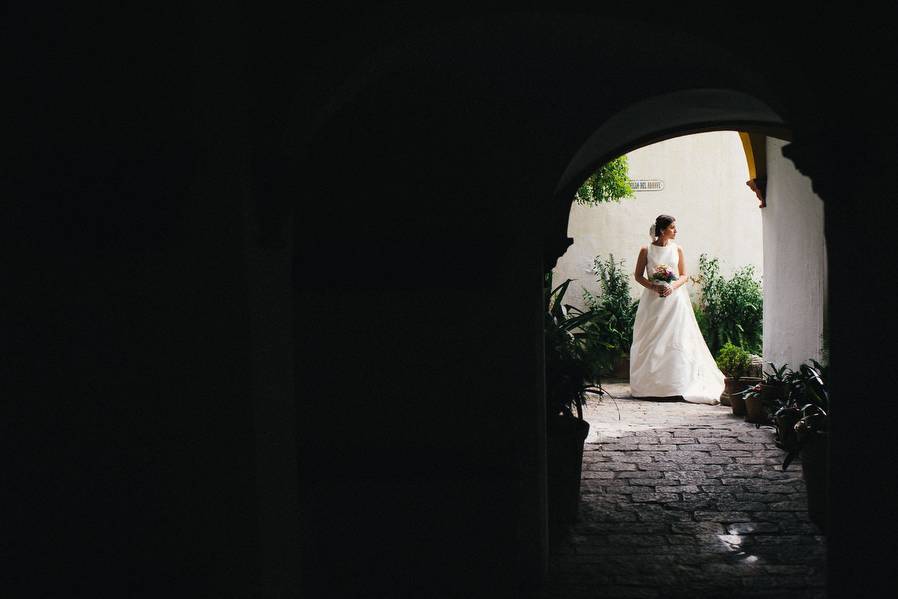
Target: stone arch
[[655, 119], [669, 115]]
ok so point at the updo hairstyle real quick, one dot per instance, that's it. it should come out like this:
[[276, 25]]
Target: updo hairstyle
[[662, 222]]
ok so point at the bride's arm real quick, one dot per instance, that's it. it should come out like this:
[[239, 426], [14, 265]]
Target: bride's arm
[[639, 273], [682, 268]]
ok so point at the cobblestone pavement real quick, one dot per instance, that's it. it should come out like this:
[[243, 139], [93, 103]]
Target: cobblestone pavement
[[685, 500]]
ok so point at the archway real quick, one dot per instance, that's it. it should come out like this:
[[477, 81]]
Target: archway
[[612, 516], [461, 125], [665, 116]]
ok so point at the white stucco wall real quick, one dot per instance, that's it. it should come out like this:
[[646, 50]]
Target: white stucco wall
[[704, 179], [794, 263]]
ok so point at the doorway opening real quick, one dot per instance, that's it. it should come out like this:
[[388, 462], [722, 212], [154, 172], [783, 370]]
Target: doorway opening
[[678, 493]]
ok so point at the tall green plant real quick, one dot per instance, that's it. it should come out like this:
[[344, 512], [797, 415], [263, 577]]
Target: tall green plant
[[733, 309], [610, 183], [615, 299]]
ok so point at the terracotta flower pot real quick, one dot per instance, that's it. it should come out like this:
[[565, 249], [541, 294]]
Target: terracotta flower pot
[[755, 412], [733, 386], [729, 387], [621, 368], [759, 408], [737, 402]]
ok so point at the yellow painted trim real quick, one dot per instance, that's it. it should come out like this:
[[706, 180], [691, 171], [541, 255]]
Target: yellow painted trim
[[749, 154]]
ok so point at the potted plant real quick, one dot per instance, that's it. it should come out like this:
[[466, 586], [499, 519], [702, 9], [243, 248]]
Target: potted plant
[[734, 362], [755, 410], [775, 386], [811, 436], [764, 399], [567, 379], [784, 419], [781, 412]]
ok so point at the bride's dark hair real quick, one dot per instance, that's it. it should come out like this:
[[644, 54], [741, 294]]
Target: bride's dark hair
[[662, 222]]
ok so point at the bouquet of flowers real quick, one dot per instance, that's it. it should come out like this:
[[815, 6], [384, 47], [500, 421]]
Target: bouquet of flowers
[[663, 274]]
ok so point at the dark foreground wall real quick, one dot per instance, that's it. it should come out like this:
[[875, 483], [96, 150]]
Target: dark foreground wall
[[128, 347], [169, 160]]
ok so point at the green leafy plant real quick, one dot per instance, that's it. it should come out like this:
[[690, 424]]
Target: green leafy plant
[[568, 369], [733, 361], [599, 342], [702, 321], [733, 309], [777, 375], [610, 183], [807, 386], [771, 393], [616, 302], [774, 388], [808, 396]]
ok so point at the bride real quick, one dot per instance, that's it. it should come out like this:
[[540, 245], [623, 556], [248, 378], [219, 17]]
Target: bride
[[669, 356]]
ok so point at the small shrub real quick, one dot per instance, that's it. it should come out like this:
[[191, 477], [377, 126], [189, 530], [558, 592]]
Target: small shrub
[[733, 361]]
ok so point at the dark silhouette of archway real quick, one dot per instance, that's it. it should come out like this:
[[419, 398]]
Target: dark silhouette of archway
[[419, 207], [484, 230], [463, 145]]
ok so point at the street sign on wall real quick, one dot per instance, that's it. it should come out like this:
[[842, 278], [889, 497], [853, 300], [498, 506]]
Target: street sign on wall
[[647, 184]]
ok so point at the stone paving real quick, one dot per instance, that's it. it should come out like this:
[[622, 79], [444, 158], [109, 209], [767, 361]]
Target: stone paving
[[685, 500]]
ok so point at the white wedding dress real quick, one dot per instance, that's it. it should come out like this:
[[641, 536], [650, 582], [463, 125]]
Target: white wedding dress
[[669, 356]]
